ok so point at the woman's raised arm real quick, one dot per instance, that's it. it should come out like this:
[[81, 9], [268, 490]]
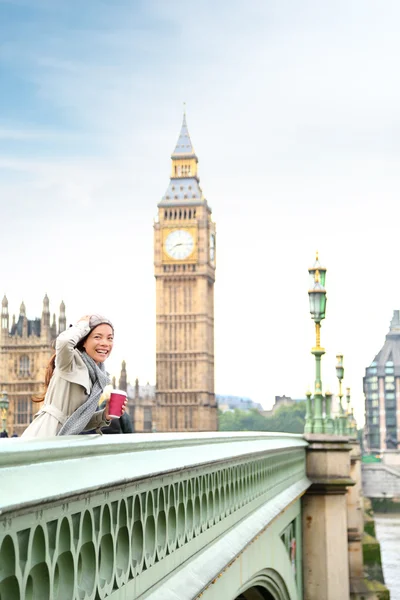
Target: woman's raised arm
[[67, 341]]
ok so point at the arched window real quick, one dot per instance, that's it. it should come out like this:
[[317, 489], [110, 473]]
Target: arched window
[[24, 366]]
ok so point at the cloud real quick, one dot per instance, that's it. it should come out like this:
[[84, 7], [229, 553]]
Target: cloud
[[293, 111]]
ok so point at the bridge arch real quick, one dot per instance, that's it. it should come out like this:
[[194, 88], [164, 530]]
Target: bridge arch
[[266, 585]]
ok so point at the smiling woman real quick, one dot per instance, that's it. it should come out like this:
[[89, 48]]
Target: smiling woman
[[98, 344], [75, 381]]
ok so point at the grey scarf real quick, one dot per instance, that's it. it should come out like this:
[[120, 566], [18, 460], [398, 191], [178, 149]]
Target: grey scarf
[[81, 417]]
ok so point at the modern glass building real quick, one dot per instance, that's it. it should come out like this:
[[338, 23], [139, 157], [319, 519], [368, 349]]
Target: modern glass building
[[382, 393]]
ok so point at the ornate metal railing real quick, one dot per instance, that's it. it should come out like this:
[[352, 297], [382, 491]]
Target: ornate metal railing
[[91, 517]]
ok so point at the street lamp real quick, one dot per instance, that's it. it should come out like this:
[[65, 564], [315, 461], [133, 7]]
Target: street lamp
[[317, 422], [4, 403], [351, 426], [348, 401], [341, 425]]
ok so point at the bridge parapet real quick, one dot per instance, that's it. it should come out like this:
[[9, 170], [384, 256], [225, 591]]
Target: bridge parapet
[[380, 480], [92, 517]]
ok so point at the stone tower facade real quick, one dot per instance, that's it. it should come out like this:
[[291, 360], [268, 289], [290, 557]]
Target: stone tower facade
[[184, 261], [25, 349]]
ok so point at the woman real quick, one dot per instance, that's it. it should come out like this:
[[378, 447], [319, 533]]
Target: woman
[[76, 380]]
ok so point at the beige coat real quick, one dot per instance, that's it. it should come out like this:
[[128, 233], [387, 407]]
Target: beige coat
[[69, 387]]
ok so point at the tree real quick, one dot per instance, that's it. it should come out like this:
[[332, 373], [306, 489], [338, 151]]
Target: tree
[[289, 419]]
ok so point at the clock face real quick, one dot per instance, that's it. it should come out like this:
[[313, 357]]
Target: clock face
[[212, 247], [179, 244]]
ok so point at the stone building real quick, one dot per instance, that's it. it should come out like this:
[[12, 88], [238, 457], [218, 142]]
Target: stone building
[[382, 393], [184, 263], [141, 402], [26, 346]]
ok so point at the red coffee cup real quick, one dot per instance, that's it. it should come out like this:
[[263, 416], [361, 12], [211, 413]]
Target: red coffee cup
[[117, 400]]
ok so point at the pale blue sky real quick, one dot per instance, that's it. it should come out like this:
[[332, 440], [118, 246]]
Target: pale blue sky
[[293, 110]]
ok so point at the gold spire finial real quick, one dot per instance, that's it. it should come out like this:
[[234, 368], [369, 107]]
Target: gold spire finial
[[316, 276], [316, 255]]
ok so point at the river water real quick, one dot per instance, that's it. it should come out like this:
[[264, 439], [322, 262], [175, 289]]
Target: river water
[[387, 527]]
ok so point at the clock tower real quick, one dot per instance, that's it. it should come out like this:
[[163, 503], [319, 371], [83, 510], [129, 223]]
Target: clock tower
[[184, 262]]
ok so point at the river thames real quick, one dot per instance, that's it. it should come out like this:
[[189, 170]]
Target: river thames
[[387, 528]]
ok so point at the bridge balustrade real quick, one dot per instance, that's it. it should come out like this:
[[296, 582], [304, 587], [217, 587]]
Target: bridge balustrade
[[89, 517]]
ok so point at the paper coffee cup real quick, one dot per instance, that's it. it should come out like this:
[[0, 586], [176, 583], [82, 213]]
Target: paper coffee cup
[[117, 399]]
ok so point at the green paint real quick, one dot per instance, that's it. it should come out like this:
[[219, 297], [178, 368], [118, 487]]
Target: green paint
[[135, 515]]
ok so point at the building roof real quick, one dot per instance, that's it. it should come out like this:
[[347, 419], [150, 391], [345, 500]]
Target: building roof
[[391, 348], [34, 327], [184, 146], [145, 391], [184, 190]]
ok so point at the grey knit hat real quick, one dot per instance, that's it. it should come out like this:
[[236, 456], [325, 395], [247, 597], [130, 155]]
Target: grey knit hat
[[96, 320]]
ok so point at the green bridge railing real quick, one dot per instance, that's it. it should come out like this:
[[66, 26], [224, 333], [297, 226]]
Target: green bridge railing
[[89, 517]]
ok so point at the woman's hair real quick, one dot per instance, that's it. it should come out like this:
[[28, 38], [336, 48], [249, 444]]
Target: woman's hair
[[48, 375], [79, 345]]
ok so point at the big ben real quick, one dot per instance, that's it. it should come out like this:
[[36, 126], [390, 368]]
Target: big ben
[[184, 261]]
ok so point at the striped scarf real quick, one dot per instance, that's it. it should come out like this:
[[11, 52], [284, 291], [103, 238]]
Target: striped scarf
[[81, 417]]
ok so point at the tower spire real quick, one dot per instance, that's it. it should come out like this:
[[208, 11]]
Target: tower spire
[[62, 320], [4, 314], [184, 147], [123, 381], [46, 312]]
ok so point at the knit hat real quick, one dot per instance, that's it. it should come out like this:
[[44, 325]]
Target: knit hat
[[96, 320]]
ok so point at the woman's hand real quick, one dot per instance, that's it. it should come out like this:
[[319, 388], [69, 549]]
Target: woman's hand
[[85, 318]]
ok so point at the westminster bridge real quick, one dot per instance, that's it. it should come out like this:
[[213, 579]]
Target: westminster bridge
[[245, 516]]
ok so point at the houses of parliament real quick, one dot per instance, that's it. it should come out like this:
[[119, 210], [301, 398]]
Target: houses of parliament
[[183, 398]]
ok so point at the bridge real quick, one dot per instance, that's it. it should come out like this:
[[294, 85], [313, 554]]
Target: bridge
[[381, 480], [245, 516]]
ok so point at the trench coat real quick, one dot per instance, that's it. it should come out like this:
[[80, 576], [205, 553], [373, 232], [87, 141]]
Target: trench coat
[[69, 387]]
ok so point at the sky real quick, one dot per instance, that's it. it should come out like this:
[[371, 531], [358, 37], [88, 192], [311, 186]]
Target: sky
[[293, 111]]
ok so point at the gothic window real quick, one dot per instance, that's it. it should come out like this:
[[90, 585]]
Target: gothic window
[[23, 411], [186, 170], [147, 418], [24, 366]]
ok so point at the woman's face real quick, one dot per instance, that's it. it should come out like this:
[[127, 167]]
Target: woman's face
[[99, 343]]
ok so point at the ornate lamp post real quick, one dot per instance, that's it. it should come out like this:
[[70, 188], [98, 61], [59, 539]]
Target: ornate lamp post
[[4, 403], [349, 414], [341, 426], [317, 422], [329, 425]]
